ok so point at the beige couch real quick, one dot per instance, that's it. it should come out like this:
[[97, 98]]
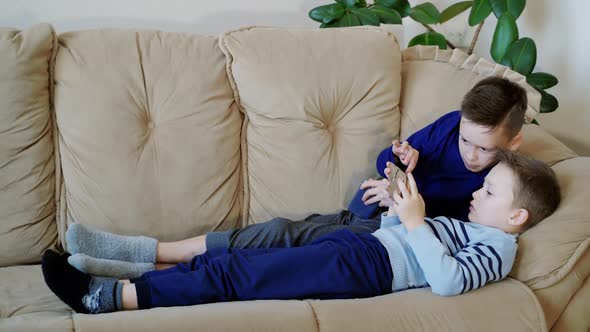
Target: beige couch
[[173, 135]]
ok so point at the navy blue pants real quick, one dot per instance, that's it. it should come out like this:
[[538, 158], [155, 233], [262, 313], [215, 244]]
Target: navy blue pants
[[339, 265]]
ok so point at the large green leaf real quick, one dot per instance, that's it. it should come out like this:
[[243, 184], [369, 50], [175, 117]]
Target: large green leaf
[[401, 6], [327, 13], [454, 10], [347, 3], [385, 3], [348, 20], [366, 16], [386, 15], [513, 7], [333, 24], [541, 81], [522, 55], [548, 102], [425, 13], [505, 34], [480, 10], [429, 38]]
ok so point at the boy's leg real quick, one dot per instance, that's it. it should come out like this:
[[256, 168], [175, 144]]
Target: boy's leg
[[285, 233], [105, 253], [82, 239], [340, 265], [82, 292]]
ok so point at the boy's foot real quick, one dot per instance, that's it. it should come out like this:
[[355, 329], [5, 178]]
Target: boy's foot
[[81, 239], [108, 267], [80, 291]]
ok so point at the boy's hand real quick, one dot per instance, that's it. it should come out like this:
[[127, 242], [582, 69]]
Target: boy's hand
[[406, 154], [409, 204], [377, 192]]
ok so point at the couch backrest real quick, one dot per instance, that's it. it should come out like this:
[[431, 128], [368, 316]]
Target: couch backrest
[[27, 164], [319, 105], [149, 135]]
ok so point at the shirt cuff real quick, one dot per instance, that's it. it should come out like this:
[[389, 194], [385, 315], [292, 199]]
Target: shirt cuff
[[389, 221]]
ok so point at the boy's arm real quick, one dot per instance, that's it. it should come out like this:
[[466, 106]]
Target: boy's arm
[[422, 141], [470, 268], [388, 220]]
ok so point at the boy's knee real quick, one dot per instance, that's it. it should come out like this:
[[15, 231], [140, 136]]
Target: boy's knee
[[278, 222]]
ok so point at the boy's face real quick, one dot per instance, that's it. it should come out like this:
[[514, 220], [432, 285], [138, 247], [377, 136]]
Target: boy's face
[[493, 203], [478, 145]]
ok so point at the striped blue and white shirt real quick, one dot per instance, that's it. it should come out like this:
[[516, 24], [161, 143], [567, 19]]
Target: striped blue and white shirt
[[450, 256]]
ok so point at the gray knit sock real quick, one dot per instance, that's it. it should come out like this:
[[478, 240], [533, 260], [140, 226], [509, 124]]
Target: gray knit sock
[[81, 239], [108, 267], [104, 295]]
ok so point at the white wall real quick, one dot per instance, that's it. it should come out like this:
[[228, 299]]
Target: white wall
[[558, 28]]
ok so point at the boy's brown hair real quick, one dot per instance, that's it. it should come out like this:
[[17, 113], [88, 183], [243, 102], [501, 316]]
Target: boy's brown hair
[[536, 189], [496, 101]]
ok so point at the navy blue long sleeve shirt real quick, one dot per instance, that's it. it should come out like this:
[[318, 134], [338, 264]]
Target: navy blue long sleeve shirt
[[441, 177]]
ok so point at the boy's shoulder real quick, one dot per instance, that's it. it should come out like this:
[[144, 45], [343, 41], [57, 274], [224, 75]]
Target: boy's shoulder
[[472, 232], [454, 116], [445, 125]]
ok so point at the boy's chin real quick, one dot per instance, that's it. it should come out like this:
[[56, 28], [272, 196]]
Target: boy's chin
[[473, 168]]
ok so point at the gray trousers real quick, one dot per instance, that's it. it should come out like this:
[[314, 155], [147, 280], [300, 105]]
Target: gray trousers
[[284, 233]]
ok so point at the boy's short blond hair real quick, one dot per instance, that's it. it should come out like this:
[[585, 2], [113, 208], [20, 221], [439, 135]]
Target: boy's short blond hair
[[537, 188]]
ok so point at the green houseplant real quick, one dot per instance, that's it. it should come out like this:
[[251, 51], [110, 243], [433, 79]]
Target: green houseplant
[[507, 48]]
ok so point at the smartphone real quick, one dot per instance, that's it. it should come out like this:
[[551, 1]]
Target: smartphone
[[398, 174]]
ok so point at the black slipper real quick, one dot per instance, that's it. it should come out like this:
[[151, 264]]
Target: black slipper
[[69, 284]]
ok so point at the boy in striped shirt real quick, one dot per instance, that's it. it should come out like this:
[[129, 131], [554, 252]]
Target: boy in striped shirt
[[407, 251]]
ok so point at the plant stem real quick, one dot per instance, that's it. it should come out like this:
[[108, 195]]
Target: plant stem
[[475, 36], [432, 30]]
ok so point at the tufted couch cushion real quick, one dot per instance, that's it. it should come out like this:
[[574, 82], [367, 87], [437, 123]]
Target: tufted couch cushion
[[335, 94], [148, 133], [27, 165]]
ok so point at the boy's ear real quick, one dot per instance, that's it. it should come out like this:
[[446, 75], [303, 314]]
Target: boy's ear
[[515, 142], [518, 217]]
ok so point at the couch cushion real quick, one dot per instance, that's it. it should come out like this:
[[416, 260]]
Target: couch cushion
[[26, 304], [27, 165], [233, 316], [562, 300], [547, 252], [148, 133], [434, 82], [484, 309], [320, 106], [539, 144]]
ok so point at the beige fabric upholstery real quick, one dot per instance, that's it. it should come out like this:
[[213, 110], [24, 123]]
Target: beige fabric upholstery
[[27, 167], [320, 105], [26, 304], [575, 316], [234, 316], [434, 82], [484, 309], [568, 291], [148, 133], [539, 144]]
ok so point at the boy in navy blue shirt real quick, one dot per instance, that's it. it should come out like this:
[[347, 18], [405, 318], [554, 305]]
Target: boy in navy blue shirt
[[449, 160]]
